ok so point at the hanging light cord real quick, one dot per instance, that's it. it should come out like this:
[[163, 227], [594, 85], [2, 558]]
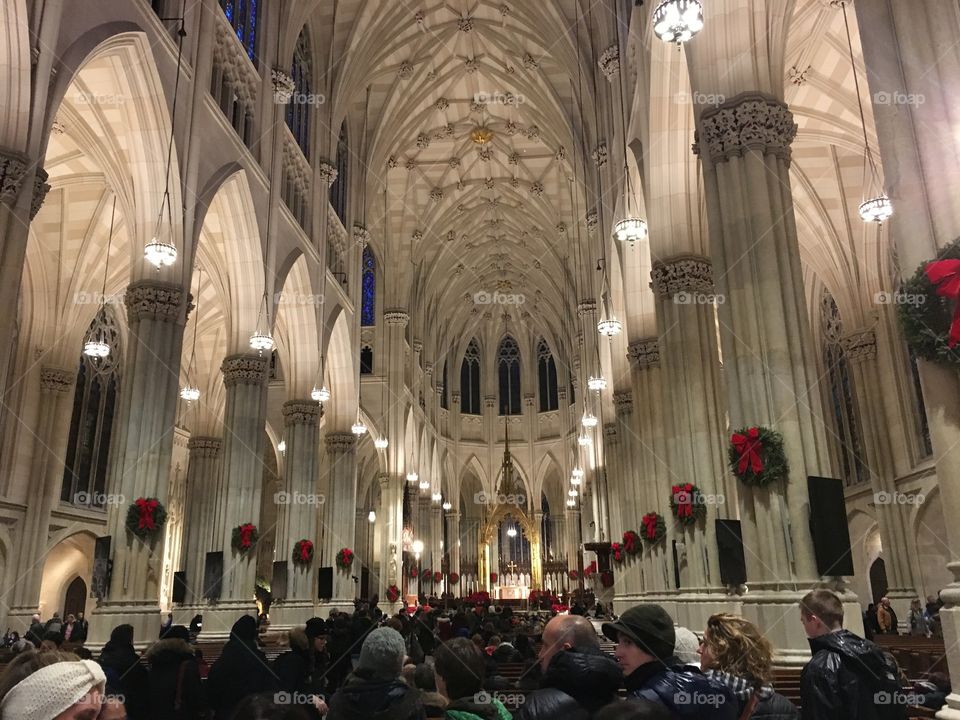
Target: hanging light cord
[[165, 202], [856, 85], [196, 323]]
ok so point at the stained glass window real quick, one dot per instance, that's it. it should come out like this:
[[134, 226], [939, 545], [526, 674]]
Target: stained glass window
[[547, 376], [338, 191], [91, 424], [508, 374], [298, 109], [470, 380], [368, 288], [242, 15]]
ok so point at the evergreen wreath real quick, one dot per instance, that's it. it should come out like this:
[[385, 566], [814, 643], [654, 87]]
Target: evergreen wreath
[[145, 517], [244, 538], [573, 575], [654, 528], [631, 542], [437, 577], [616, 551], [303, 552], [757, 457], [393, 593], [426, 575], [928, 306], [454, 578], [344, 558], [687, 504], [494, 577], [414, 572]]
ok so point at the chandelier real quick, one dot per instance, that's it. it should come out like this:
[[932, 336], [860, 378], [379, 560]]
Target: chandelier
[[96, 345], [358, 428], [678, 20], [572, 493], [609, 327], [597, 383], [630, 229], [321, 395], [575, 480], [412, 477], [447, 505], [381, 443], [424, 484], [876, 209], [511, 531], [436, 497], [571, 502], [96, 349], [576, 474], [589, 421], [584, 440], [261, 341], [190, 393], [372, 516]]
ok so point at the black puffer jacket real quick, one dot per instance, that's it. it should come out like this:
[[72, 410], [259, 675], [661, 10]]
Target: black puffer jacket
[[845, 676], [684, 690], [363, 697], [770, 706], [173, 664], [575, 685]]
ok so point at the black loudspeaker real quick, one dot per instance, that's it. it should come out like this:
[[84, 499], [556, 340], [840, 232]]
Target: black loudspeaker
[[278, 585], [676, 566], [213, 576], [733, 565], [325, 583], [102, 568], [180, 586], [828, 526]]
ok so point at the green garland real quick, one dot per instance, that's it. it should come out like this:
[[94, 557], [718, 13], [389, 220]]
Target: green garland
[[925, 316], [770, 453]]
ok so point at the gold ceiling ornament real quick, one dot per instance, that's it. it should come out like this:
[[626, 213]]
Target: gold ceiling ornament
[[481, 135]]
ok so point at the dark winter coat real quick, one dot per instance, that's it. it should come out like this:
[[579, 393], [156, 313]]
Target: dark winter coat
[[35, 633], [363, 697], [845, 677], [575, 685], [241, 670], [126, 676], [297, 674], [685, 691], [770, 706], [172, 666]]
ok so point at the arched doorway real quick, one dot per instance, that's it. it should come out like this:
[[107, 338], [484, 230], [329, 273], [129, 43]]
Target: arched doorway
[[75, 599], [878, 579]]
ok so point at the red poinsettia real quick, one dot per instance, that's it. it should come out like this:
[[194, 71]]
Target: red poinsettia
[[590, 569], [427, 575]]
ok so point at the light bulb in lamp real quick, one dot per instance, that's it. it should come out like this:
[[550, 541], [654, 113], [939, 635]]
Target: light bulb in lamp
[[160, 254]]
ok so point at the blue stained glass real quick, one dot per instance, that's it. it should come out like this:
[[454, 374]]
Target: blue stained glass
[[228, 11], [369, 289], [252, 29]]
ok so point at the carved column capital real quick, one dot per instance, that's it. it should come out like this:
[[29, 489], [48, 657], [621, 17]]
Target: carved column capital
[[283, 86], [623, 401], [360, 234], [685, 274], [586, 306], [340, 442], [859, 345], [146, 299], [749, 121], [13, 168], [40, 189], [244, 370], [383, 480], [489, 401], [327, 172], [54, 379], [610, 430], [609, 62], [301, 412], [645, 353], [592, 220], [208, 447], [562, 392]]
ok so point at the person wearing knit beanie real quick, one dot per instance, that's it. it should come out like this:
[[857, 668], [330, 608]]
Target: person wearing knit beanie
[[55, 689], [686, 646], [382, 653]]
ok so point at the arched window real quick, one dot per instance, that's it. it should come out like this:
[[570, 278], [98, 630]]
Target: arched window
[[91, 426], [547, 376], [368, 289], [508, 374], [298, 109], [242, 15], [338, 191], [470, 380], [846, 434], [366, 360]]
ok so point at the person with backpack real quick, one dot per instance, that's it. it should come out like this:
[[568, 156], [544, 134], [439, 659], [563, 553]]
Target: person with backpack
[[848, 676]]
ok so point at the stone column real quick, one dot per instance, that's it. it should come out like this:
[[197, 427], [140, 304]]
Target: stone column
[[390, 519], [911, 55], [436, 540], [339, 531], [744, 145], [298, 506], [204, 525], [690, 369], [54, 408], [860, 350], [244, 377], [141, 454], [453, 537]]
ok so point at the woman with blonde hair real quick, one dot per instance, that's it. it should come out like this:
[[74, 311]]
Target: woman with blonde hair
[[734, 652]]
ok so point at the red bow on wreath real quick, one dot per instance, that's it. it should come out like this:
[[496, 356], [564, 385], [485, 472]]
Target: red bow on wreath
[[683, 497], [945, 274], [650, 526], [246, 535], [146, 509], [748, 446], [306, 547]]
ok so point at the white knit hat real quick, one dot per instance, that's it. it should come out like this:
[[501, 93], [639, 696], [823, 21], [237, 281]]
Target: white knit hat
[[51, 690]]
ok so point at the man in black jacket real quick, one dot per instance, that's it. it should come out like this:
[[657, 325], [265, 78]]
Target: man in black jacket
[[578, 678], [847, 677]]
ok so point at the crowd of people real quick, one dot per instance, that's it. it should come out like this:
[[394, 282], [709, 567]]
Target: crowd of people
[[430, 663], [923, 620]]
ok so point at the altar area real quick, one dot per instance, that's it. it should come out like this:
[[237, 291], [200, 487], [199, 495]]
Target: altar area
[[512, 587]]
